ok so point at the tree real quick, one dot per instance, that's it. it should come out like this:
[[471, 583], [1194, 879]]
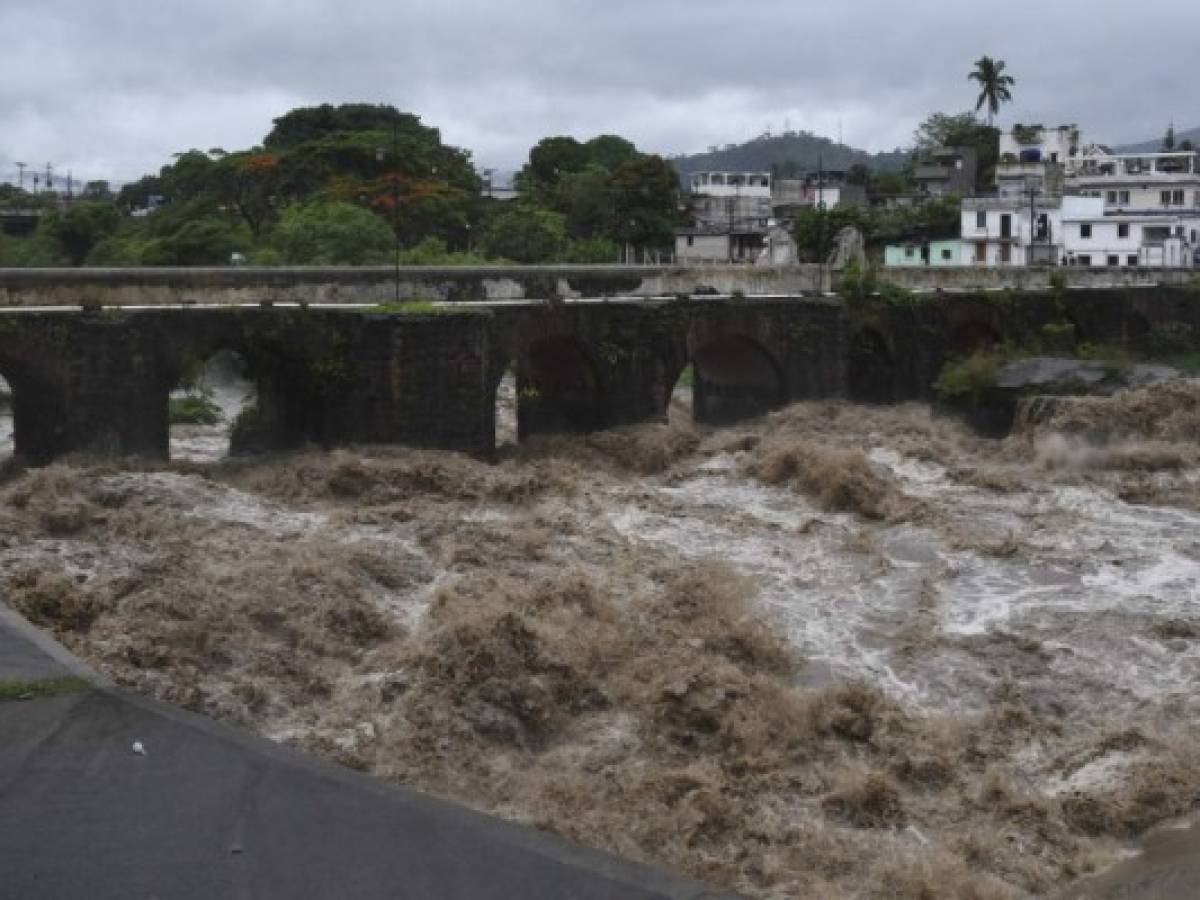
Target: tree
[[962, 130], [79, 228], [550, 160], [586, 200], [858, 173], [205, 241], [333, 233], [525, 234], [946, 130], [248, 182], [816, 229], [646, 202], [993, 85]]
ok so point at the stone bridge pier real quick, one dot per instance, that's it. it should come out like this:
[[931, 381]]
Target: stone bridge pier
[[585, 366], [99, 383]]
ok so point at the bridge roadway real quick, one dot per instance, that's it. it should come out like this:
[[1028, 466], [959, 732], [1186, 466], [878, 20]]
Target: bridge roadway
[[98, 380]]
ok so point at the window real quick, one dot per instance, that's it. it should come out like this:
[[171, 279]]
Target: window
[[1132, 260], [1005, 225], [1110, 197], [1165, 197], [1005, 253], [1123, 198], [1083, 259], [981, 219], [981, 252], [1085, 229], [1114, 261], [946, 254], [691, 241], [1122, 229], [1177, 198], [908, 252]]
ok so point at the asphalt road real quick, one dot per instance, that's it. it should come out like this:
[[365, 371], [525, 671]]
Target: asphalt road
[[211, 812]]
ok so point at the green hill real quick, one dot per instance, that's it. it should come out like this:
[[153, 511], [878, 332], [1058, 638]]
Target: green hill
[[1153, 146], [786, 153]]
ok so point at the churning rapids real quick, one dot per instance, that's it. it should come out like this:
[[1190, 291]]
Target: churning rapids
[[841, 651]]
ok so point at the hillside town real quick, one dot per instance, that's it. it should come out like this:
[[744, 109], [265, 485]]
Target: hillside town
[[1052, 199]]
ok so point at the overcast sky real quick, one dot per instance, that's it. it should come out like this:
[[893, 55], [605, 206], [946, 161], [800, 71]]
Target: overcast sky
[[111, 88]]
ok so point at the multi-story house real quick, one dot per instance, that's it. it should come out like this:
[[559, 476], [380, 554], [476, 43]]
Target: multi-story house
[[1020, 222], [947, 170], [731, 213], [829, 190]]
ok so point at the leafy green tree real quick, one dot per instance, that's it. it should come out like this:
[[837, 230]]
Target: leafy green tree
[[80, 227], [592, 250], [962, 130], [993, 85], [199, 242], [586, 200], [646, 205], [36, 250], [333, 233], [816, 229], [525, 233], [248, 182], [550, 160], [308, 123], [609, 151]]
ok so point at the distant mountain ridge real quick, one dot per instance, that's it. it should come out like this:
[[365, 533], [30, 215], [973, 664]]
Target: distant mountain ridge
[[794, 149], [1192, 134]]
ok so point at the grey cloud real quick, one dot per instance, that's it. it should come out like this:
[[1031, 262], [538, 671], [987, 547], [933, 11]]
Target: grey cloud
[[112, 89]]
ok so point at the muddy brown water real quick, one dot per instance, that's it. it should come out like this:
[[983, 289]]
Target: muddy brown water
[[1016, 593]]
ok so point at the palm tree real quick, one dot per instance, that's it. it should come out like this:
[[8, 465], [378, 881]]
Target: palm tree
[[993, 84]]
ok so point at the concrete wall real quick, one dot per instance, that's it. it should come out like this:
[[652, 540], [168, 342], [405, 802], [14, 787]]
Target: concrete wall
[[376, 284], [975, 278]]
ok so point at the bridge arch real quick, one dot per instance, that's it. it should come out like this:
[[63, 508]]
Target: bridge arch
[[268, 401], [733, 378], [212, 410], [31, 404], [973, 336], [870, 367], [559, 388]]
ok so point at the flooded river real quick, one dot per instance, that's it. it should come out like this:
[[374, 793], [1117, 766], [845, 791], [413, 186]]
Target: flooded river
[[842, 651]]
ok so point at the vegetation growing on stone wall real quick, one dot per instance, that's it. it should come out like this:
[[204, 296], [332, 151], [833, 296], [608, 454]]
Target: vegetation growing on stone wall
[[963, 378], [860, 284], [194, 408]]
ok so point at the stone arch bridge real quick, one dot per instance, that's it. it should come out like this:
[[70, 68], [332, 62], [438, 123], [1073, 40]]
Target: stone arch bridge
[[98, 381]]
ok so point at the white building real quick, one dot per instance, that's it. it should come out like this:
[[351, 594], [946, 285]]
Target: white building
[[731, 200], [1059, 202], [731, 213], [997, 231], [1098, 237]]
